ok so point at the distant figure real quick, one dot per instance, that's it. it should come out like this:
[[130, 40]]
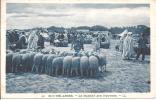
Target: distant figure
[[60, 37], [73, 39], [142, 42], [100, 39], [107, 38], [103, 38], [40, 42], [96, 43], [77, 43], [52, 38], [81, 39], [21, 43], [15, 36], [32, 40], [66, 37], [121, 42], [127, 46]]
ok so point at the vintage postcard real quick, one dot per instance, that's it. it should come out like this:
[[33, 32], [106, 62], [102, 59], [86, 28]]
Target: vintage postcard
[[78, 49]]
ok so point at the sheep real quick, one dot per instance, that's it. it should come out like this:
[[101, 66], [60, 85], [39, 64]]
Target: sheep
[[93, 65], [48, 69], [9, 62], [57, 65], [25, 62], [102, 62], [75, 65], [84, 64], [37, 63], [16, 62], [44, 60], [31, 61], [67, 62]]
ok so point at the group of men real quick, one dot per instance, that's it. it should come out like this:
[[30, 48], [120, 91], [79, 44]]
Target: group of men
[[16, 40], [127, 46], [34, 41]]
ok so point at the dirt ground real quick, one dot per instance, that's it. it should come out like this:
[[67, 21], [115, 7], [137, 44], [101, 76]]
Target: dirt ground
[[121, 76]]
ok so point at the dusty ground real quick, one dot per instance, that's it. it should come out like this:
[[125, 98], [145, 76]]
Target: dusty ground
[[121, 76]]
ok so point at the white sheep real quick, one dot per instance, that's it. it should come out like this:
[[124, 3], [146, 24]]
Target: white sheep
[[9, 62], [93, 65], [48, 69], [102, 62], [44, 60], [75, 65], [84, 65], [67, 62], [37, 62], [16, 62], [57, 65], [25, 62]]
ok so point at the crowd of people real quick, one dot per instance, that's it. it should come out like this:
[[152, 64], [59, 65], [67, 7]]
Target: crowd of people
[[36, 41], [18, 40], [127, 46]]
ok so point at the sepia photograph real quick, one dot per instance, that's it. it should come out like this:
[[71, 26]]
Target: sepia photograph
[[77, 48]]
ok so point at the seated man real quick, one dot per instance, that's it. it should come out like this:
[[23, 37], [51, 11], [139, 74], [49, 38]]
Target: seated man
[[61, 37], [21, 43]]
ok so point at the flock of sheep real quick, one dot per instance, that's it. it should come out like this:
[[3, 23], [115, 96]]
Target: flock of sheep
[[65, 63]]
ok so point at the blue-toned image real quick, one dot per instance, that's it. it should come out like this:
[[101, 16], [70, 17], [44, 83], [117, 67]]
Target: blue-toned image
[[77, 48]]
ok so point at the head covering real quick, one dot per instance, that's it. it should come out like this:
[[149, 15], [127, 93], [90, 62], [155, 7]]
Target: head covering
[[123, 33], [129, 33]]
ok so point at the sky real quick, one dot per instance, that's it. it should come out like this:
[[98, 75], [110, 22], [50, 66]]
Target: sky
[[30, 15]]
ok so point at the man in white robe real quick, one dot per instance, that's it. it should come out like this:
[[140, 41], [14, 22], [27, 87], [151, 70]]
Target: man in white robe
[[32, 40], [123, 36], [127, 46]]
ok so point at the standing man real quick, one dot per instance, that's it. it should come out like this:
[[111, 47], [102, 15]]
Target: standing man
[[52, 38], [40, 42], [32, 40], [81, 39], [142, 42], [121, 41], [73, 39], [127, 46], [77, 43]]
